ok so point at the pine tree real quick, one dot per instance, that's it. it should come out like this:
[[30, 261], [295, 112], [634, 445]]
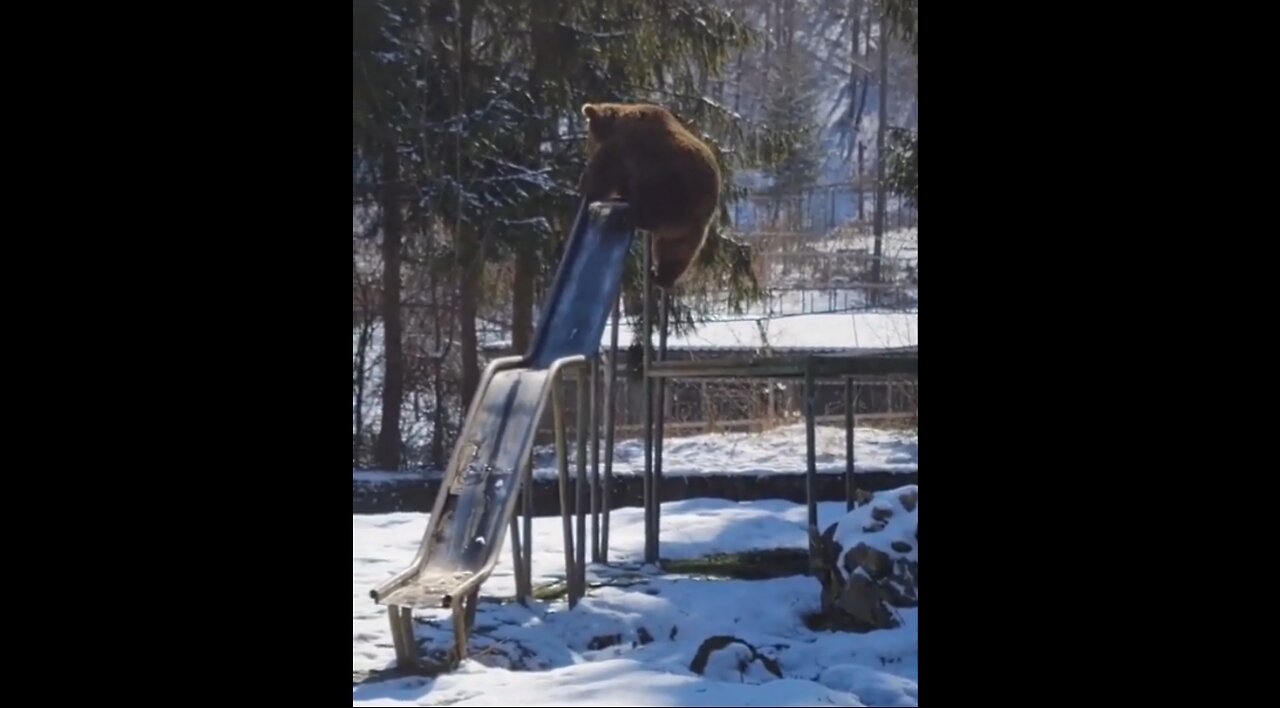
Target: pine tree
[[466, 122], [904, 144]]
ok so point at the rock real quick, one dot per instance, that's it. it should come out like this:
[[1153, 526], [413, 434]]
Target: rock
[[899, 589], [876, 562], [861, 599], [867, 563], [643, 636], [604, 641], [727, 658]]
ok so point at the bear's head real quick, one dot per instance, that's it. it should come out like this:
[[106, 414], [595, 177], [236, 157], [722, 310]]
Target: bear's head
[[600, 119], [603, 119]]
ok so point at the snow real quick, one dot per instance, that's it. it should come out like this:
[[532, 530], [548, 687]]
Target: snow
[[844, 331], [383, 477], [772, 452], [631, 640], [801, 301], [781, 450], [898, 244], [617, 682]]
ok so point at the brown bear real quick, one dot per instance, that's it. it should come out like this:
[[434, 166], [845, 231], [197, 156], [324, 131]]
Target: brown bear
[[642, 155]]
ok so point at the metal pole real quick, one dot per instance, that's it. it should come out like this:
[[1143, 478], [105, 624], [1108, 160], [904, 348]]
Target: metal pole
[[580, 483], [595, 459], [517, 559], [811, 467], [411, 656], [850, 486], [658, 431], [527, 536], [460, 630], [650, 547], [562, 461], [610, 397], [470, 604], [398, 639]]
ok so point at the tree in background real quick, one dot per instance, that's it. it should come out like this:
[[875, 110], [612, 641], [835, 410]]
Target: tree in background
[[791, 104], [381, 89], [467, 147], [904, 144]]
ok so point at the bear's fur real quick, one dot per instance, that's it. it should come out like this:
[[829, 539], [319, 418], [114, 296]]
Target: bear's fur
[[642, 155]]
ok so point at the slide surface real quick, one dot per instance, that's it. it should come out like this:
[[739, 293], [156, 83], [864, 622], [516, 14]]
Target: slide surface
[[478, 497]]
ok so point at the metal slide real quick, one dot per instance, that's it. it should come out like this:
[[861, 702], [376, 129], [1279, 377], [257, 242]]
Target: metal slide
[[478, 496]]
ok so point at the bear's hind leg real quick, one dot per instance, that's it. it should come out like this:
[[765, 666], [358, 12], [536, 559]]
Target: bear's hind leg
[[673, 252]]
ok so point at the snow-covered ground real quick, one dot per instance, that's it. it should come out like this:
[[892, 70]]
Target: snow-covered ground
[[831, 331], [897, 244], [791, 303], [630, 641], [777, 451]]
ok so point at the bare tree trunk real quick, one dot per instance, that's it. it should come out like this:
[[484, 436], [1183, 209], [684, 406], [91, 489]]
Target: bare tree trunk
[[362, 352], [862, 174], [469, 277], [470, 247], [439, 420], [862, 104], [768, 44], [880, 156], [866, 80], [855, 67], [526, 270], [737, 82], [387, 449]]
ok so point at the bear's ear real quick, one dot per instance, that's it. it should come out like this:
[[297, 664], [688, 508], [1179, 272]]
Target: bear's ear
[[599, 119]]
